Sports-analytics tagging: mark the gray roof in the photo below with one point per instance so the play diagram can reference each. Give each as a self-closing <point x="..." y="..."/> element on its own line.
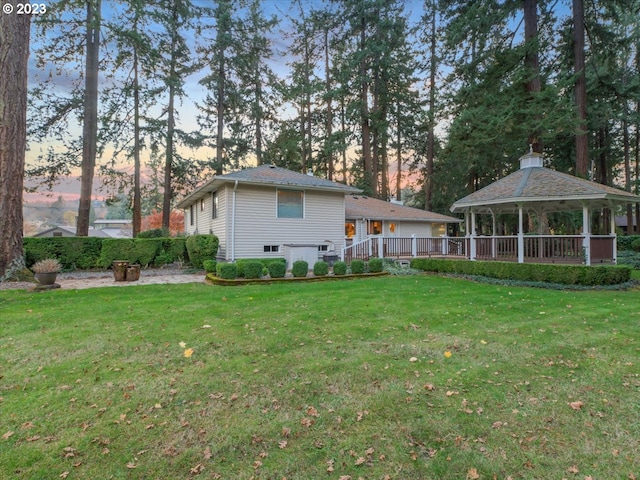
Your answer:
<point x="360" y="206"/>
<point x="267" y="175"/>
<point x="542" y="188"/>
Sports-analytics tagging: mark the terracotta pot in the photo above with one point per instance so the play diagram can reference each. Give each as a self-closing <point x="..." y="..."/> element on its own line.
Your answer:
<point x="120" y="270"/>
<point x="47" y="278"/>
<point x="133" y="273"/>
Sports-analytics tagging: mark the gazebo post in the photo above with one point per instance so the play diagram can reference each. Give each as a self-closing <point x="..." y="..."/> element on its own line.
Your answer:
<point x="613" y="234"/>
<point x="586" y="234"/>
<point x="472" y="248"/>
<point x="493" y="235"/>
<point x="520" y="234"/>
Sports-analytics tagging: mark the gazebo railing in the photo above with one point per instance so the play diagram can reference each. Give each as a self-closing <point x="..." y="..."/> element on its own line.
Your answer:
<point x="537" y="248"/>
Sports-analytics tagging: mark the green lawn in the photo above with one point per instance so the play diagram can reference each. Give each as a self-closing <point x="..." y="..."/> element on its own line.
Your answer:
<point x="418" y="377"/>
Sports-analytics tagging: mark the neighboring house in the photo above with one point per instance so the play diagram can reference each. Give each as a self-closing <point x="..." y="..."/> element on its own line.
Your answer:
<point x="101" y="229"/>
<point x="266" y="210"/>
<point x="366" y="216"/>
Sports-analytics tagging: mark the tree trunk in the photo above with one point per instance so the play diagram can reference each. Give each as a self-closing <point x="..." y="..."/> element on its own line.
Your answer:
<point x="90" y="121"/>
<point x="368" y="185"/>
<point x="399" y="154"/>
<point x="14" y="54"/>
<point x="137" y="200"/>
<point x="329" y="127"/>
<point x="171" y="125"/>
<point x="532" y="62"/>
<point x="582" y="153"/>
<point x="220" y="114"/>
<point x="431" y="139"/>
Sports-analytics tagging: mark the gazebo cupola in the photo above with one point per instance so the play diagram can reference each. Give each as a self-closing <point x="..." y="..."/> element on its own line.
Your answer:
<point x="539" y="190"/>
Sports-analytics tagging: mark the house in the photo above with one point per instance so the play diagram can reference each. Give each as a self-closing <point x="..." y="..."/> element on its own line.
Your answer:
<point x="268" y="211"/>
<point x="366" y="216"/>
<point x="101" y="229"/>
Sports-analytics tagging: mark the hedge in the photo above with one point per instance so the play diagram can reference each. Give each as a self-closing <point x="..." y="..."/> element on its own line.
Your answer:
<point x="357" y="266"/>
<point x="549" y="273"/>
<point x="201" y="248"/>
<point x="375" y="265"/>
<point x="340" y="268"/>
<point x="228" y="271"/>
<point x="73" y="252"/>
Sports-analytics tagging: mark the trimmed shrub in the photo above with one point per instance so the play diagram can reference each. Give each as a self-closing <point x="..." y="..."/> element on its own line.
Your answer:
<point x="117" y="249"/>
<point x="320" y="268"/>
<point x="73" y="252"/>
<point x="228" y="271"/>
<point x="624" y="242"/>
<point x="300" y="268"/>
<point x="375" y="265"/>
<point x="154" y="233"/>
<point x="201" y="248"/>
<point x="635" y="245"/>
<point x="277" y="269"/>
<point x="340" y="268"/>
<point x="253" y="269"/>
<point x="210" y="266"/>
<point x="534" y="272"/>
<point x="265" y="262"/>
<point x="357" y="266"/>
<point x="147" y="249"/>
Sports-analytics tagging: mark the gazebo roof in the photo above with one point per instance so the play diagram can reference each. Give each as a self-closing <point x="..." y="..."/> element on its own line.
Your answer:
<point x="540" y="188"/>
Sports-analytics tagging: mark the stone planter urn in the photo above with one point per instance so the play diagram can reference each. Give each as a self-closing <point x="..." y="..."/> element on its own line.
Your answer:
<point x="46" y="278"/>
<point x="120" y="270"/>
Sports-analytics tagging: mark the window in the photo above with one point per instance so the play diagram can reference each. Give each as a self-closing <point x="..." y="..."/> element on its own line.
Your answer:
<point x="323" y="248"/>
<point x="375" y="227"/>
<point x="214" y="205"/>
<point x="191" y="216"/>
<point x="271" y="248"/>
<point x="350" y="229"/>
<point x="202" y="204"/>
<point x="290" y="204"/>
<point x="57" y="234"/>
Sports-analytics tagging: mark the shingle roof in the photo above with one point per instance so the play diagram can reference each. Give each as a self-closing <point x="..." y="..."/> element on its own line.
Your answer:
<point x="358" y="206"/>
<point x="268" y="175"/>
<point x="557" y="191"/>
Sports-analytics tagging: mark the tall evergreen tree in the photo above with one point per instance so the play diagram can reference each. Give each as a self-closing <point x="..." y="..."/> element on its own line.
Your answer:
<point x="14" y="54"/>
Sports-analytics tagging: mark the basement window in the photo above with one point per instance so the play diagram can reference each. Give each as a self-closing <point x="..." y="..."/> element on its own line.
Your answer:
<point x="271" y="248"/>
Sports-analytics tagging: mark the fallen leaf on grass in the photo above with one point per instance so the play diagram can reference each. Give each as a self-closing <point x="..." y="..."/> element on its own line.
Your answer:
<point x="7" y="435"/>
<point x="188" y="352"/>
<point x="473" y="474"/>
<point x="573" y="469"/>
<point x="311" y="411"/>
<point x="576" y="405"/>
<point x="207" y="454"/>
<point x="131" y="465"/>
<point x="282" y="444"/>
<point x="64" y="474"/>
<point x="360" y="461"/>
<point x="197" y="470"/>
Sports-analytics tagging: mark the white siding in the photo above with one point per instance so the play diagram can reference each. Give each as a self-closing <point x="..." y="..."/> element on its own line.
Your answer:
<point x="257" y="225"/>
<point x="204" y="223"/>
<point x="406" y="229"/>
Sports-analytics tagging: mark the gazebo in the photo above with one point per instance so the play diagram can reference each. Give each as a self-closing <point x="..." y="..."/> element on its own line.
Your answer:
<point x="539" y="190"/>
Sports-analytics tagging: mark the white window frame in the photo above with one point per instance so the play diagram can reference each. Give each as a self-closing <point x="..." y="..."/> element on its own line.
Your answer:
<point x="302" y="195"/>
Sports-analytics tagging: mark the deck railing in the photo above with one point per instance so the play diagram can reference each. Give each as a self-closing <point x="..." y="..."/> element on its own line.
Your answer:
<point x="536" y="248"/>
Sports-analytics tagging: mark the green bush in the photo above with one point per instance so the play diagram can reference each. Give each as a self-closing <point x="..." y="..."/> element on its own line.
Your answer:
<point x="339" y="268"/>
<point x="73" y="252"/>
<point x="300" y="268"/>
<point x="147" y="249"/>
<point x="201" y="248"/>
<point x="635" y="245"/>
<point x="357" y="266"/>
<point x="210" y="266"/>
<point x="117" y="249"/>
<point x="228" y="271"/>
<point x="277" y="269"/>
<point x="253" y="269"/>
<point x="624" y="241"/>
<point x="154" y="233"/>
<point x="630" y="258"/>
<point x="320" y="268"/>
<point x="375" y="265"/>
<point x="529" y="272"/>
<point x="241" y="262"/>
